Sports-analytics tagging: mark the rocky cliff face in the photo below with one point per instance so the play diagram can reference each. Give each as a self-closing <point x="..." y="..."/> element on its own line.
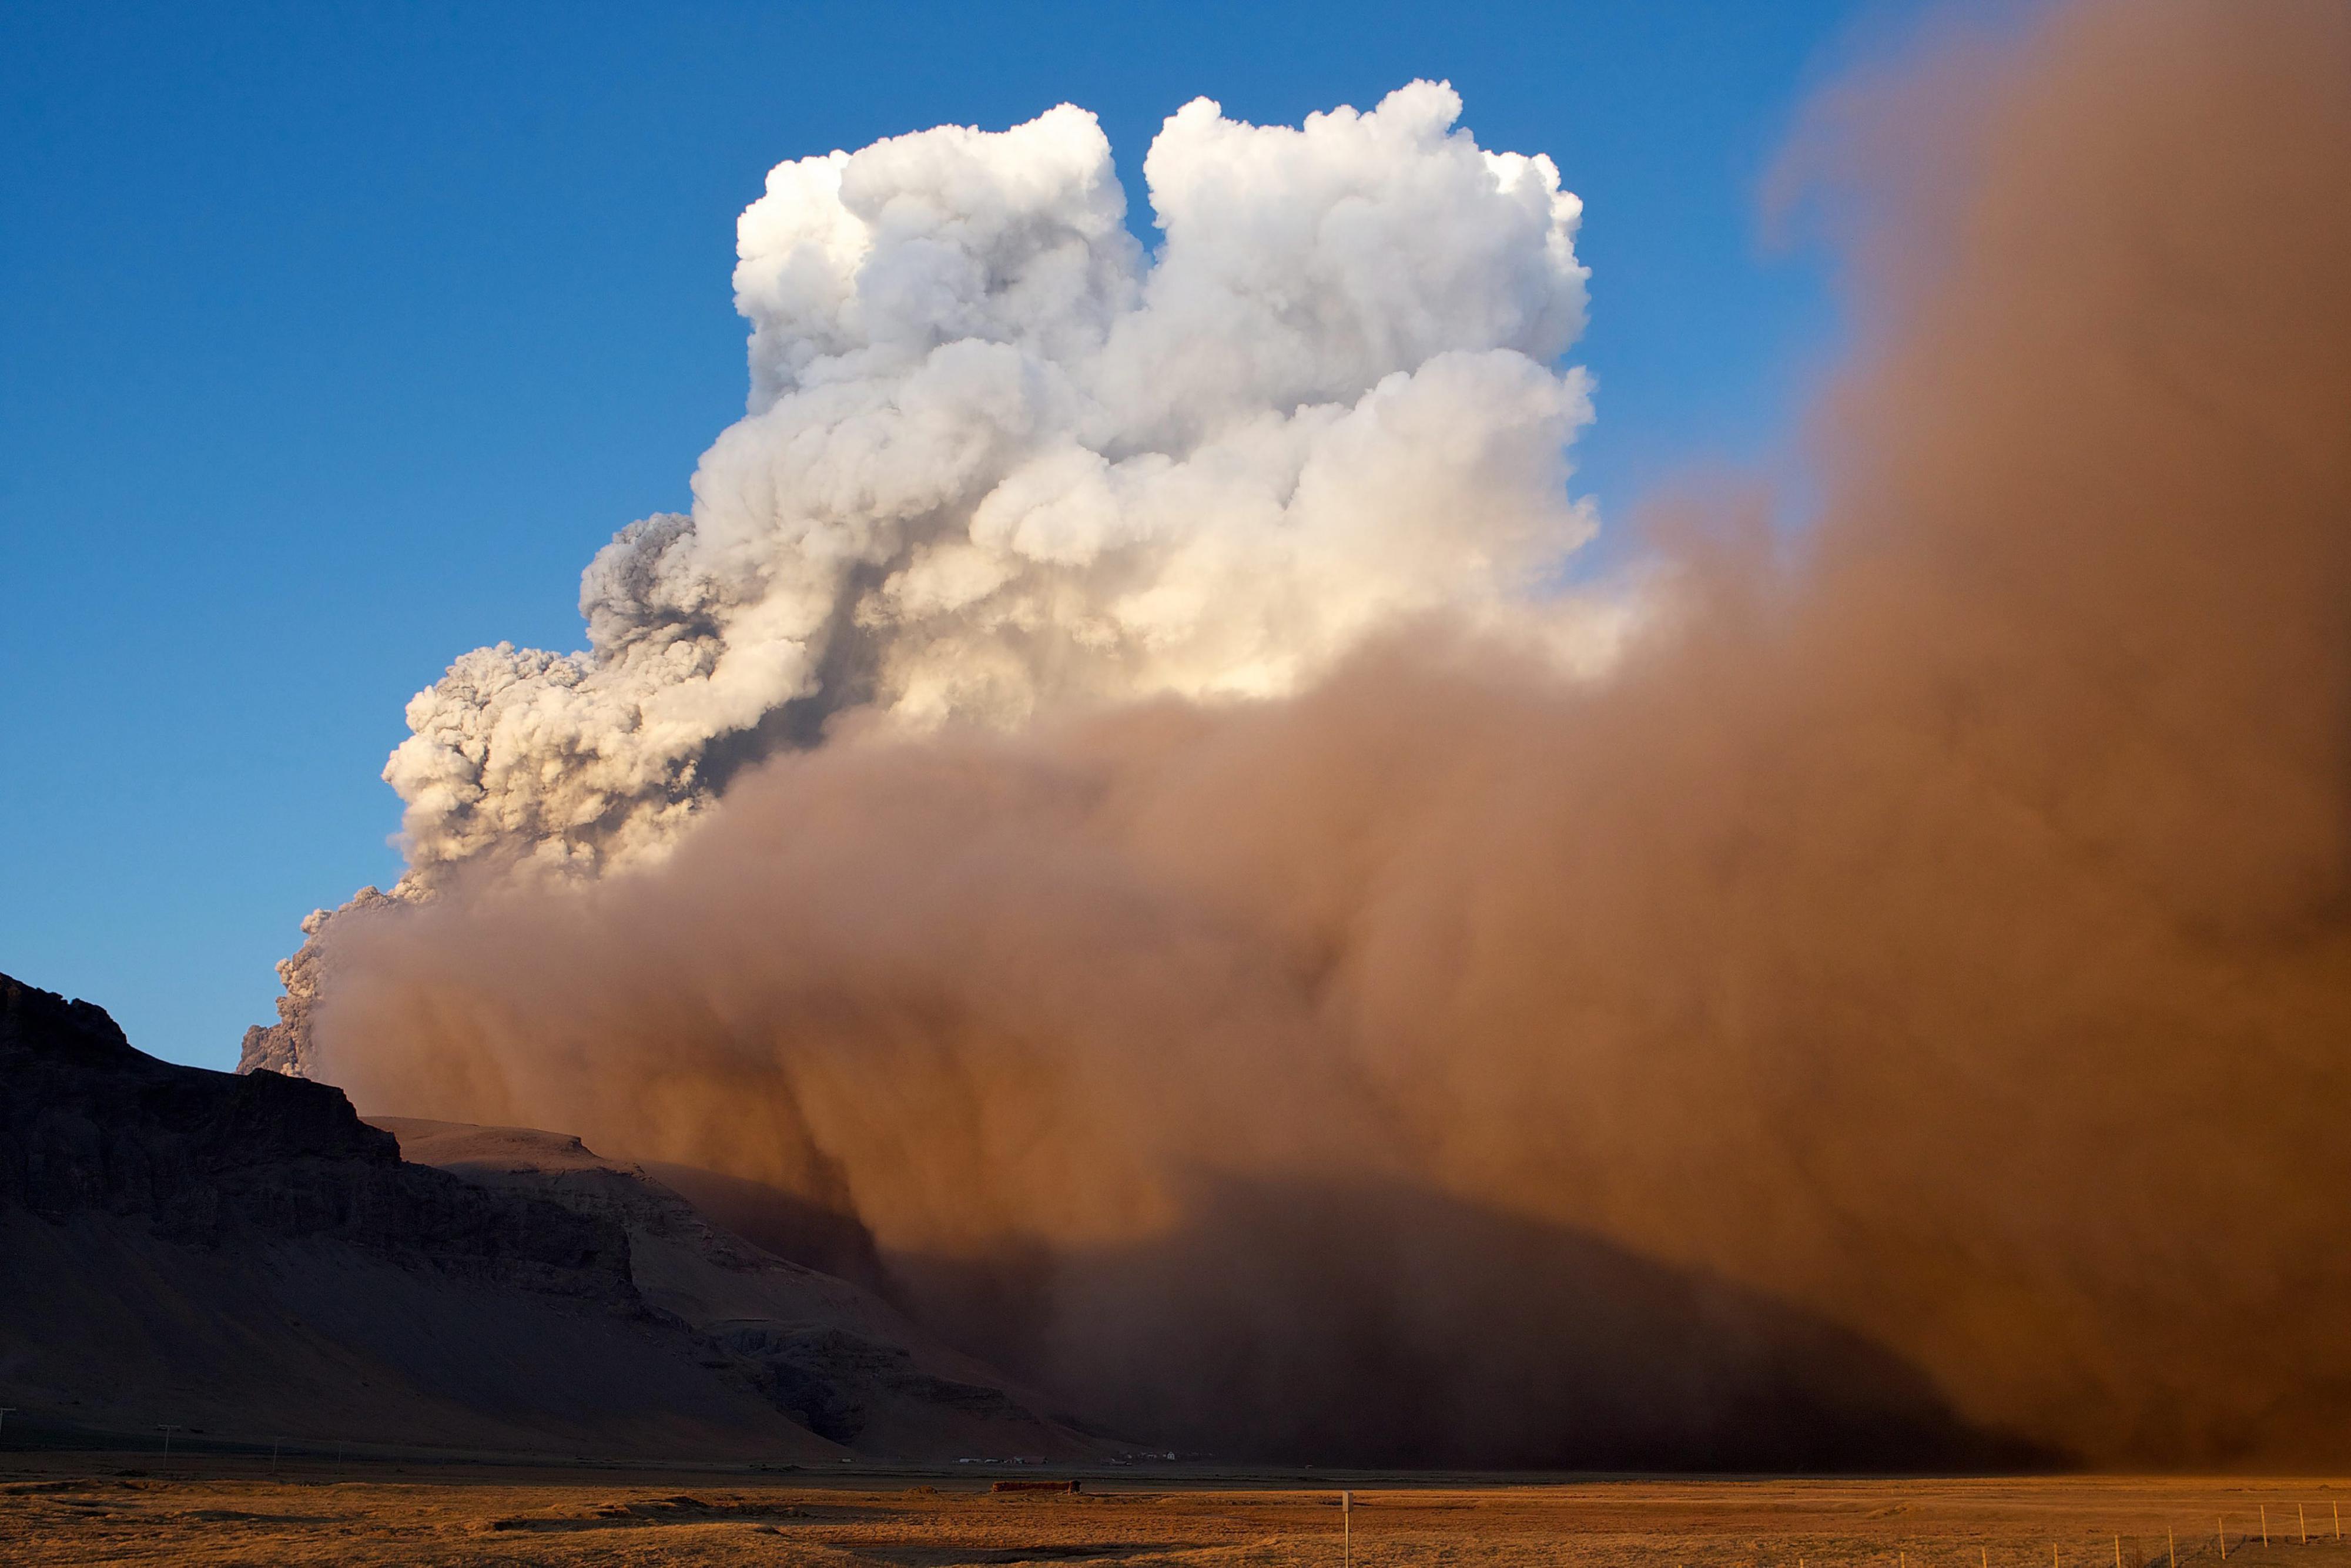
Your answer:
<point x="842" y="1360"/>
<point x="214" y="1159"/>
<point x="241" y="1254"/>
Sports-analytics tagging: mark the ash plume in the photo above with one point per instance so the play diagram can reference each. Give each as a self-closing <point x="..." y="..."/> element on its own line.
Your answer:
<point x="1893" y="1012"/>
<point x="996" y="458"/>
<point x="997" y="461"/>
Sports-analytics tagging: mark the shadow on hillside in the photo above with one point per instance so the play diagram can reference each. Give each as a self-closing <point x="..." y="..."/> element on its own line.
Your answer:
<point x="1373" y="1326"/>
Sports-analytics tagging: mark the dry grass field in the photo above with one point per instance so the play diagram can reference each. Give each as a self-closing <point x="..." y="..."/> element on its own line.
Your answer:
<point x="83" y="1509"/>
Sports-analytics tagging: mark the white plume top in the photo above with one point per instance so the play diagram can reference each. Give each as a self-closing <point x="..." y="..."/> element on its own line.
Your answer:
<point x="995" y="458"/>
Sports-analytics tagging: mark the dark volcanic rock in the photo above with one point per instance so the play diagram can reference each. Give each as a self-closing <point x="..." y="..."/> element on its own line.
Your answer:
<point x="242" y="1254"/>
<point x="88" y="1123"/>
<point x="837" y="1358"/>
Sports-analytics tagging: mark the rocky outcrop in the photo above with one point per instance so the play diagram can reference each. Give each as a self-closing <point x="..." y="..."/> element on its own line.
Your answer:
<point x="243" y="1254"/>
<point x="217" y="1160"/>
<point x="836" y="1357"/>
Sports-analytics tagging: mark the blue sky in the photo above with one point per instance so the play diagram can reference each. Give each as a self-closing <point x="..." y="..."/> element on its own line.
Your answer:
<point x="334" y="339"/>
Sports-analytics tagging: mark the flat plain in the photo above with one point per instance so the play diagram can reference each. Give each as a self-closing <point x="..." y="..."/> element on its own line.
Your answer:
<point x="58" y="1508"/>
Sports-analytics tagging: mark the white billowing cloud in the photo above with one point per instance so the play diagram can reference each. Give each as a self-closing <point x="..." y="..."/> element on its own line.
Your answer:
<point x="995" y="458"/>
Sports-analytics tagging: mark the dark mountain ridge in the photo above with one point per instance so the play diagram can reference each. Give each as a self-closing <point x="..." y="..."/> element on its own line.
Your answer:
<point x="90" y="1125"/>
<point x="244" y="1255"/>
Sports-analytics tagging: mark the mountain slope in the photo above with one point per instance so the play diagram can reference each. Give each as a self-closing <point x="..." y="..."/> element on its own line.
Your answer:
<point x="245" y="1256"/>
<point x="850" y="1364"/>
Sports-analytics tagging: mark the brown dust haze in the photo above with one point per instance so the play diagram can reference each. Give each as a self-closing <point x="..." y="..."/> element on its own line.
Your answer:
<point x="1900" y="1014"/>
